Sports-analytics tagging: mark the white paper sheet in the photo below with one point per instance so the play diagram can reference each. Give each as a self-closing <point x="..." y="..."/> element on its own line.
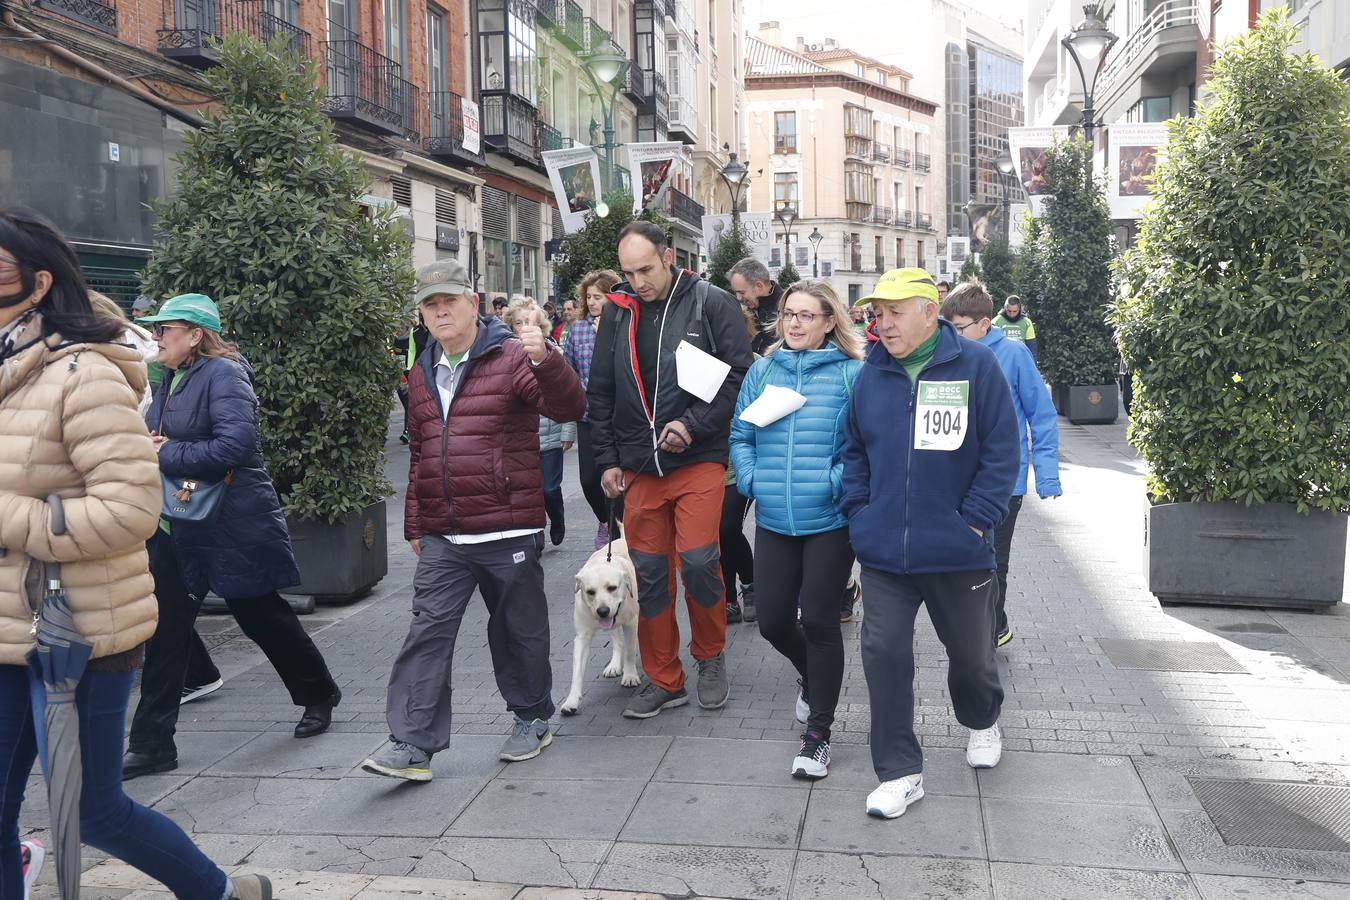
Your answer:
<point x="773" y="404"/>
<point x="699" y="373"/>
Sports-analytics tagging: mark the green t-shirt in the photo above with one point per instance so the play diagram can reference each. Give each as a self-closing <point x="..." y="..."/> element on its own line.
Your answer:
<point x="1020" y="330"/>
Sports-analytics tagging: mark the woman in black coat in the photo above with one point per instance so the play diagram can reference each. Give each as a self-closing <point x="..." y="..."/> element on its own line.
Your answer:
<point x="204" y="420"/>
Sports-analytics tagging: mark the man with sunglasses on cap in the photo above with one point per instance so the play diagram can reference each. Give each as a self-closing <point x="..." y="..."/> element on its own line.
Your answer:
<point x="930" y="460"/>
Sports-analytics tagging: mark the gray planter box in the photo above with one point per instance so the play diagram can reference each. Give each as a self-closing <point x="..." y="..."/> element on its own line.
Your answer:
<point x="1226" y="554"/>
<point x="343" y="561"/>
<point x="1095" y="404"/>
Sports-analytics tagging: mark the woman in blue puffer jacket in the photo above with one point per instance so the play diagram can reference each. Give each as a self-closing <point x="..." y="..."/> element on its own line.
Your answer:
<point x="791" y="469"/>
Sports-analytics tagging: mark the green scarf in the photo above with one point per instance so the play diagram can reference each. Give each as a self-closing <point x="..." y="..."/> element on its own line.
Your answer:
<point x="915" y="362"/>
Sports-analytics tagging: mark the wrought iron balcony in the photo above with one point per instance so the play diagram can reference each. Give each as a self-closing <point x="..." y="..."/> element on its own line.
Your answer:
<point x="568" y="22"/>
<point x="593" y="37"/>
<point x="904" y="218"/>
<point x="445" y="128"/>
<point x="635" y="84"/>
<point x="508" y="123"/>
<point x="368" y="88"/>
<point x="684" y="208"/>
<point x="881" y="153"/>
<point x="192" y="28"/>
<point x="903" y="157"/>
<point x="551" y="138"/>
<point x="100" y="14"/>
<point x="657" y="101"/>
<point x="881" y="215"/>
<point x="924" y="221"/>
<point x="858" y="211"/>
<point x="668" y="7"/>
<point x="546" y="12"/>
<point x="923" y="162"/>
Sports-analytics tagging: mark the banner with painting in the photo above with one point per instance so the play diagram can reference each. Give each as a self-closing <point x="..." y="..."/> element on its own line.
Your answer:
<point x="1132" y="155"/>
<point x="758" y="228"/>
<point x="575" y="176"/>
<point x="1028" y="147"/>
<point x="651" y="166"/>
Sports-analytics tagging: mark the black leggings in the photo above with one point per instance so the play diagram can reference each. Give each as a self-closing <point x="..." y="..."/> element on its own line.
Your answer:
<point x="590" y="478"/>
<point x="737" y="560"/>
<point x="807" y="573"/>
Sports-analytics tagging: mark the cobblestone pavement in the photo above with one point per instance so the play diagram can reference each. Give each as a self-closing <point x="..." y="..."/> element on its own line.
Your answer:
<point x="1094" y="797"/>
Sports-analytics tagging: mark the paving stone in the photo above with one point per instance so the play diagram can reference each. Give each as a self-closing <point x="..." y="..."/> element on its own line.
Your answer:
<point x="355" y="854"/>
<point x="945" y="772"/>
<point x="935" y="826"/>
<point x="235" y="805"/>
<point x="1046" y="832"/>
<point x="716" y="761"/>
<point x="386" y="807"/>
<point x="402" y="888"/>
<point x="717" y="815"/>
<point x="1203" y="851"/>
<point x="599" y="758"/>
<point x="698" y="871"/>
<point x="281" y="755"/>
<point x="1078" y="779"/>
<point x="468" y="756"/>
<point x="1018" y="881"/>
<point x="845" y="876"/>
<point x="1229" y="887"/>
<point x="535" y="861"/>
<point x="581" y="810"/>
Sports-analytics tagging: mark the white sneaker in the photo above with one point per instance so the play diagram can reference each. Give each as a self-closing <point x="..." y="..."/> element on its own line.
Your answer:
<point x="892" y="798"/>
<point x="198" y="692"/>
<point x="985" y="747"/>
<point x="803" y="711"/>
<point x="31" y="853"/>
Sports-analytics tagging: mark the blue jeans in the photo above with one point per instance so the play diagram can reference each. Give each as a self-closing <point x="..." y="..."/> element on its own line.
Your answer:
<point x="109" y="819"/>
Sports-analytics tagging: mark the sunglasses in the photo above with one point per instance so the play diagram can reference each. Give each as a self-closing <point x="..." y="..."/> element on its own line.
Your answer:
<point x="160" y="328"/>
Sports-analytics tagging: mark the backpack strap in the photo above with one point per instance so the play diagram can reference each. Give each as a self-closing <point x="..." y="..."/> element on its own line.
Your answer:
<point x="700" y="299"/>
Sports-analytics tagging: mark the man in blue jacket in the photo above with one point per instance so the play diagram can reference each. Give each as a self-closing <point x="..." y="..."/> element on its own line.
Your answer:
<point x="970" y="309"/>
<point x="930" y="460"/>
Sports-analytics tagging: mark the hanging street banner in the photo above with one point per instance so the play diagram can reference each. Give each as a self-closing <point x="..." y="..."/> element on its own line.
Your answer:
<point x="1028" y="147"/>
<point x="651" y="166"/>
<point x="1132" y="154"/>
<point x="958" y="248"/>
<point x="944" y="270"/>
<point x="1017" y="214"/>
<point x="758" y="228"/>
<point x="575" y="176"/>
<point x="473" y="133"/>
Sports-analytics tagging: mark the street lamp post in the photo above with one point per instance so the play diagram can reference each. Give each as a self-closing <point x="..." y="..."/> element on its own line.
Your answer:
<point x="1004" y="164"/>
<point x="603" y="69"/>
<point x="786" y="216"/>
<point x="1088" y="45"/>
<point x="815" y="237"/>
<point x="733" y="176"/>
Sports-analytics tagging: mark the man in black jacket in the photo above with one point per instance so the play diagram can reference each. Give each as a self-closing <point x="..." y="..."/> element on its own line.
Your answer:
<point x="753" y="285"/>
<point x="665" y="450"/>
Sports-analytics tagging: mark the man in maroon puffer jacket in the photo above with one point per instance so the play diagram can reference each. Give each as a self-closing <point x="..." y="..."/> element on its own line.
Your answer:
<point x="475" y="516"/>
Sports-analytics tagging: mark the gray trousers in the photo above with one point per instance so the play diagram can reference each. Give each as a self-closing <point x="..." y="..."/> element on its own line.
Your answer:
<point x="511" y="579"/>
<point x="961" y="607"/>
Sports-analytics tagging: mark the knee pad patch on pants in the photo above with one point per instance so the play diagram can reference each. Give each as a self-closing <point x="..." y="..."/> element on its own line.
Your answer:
<point x="653" y="574"/>
<point x="701" y="570"/>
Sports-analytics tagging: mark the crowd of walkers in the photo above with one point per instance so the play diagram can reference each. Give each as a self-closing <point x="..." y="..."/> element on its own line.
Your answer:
<point x="895" y="435"/>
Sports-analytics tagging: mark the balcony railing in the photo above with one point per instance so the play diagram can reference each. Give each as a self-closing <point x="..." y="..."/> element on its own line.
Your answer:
<point x="635" y="84"/>
<point x="551" y="138"/>
<point x="1167" y="14"/>
<point x="784" y="144"/>
<point x="684" y="208"/>
<point x="881" y="153"/>
<point x="368" y="87"/>
<point x="570" y="23"/>
<point x="923" y="162"/>
<point x="924" y="221"/>
<point x="858" y="211"/>
<point x="508" y="124"/>
<point x="445" y="127"/>
<point x="668" y="7"/>
<point x="903" y="157"/>
<point x="881" y="215"/>
<point x="593" y="37"/>
<point x="904" y="218"/>
<point x="191" y="28"/>
<point x="658" y="99"/>
<point x="101" y="14"/>
<point x="547" y="12"/>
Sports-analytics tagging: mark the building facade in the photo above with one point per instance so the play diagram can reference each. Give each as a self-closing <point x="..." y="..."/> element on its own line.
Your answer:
<point x="449" y="103"/>
<point x="841" y="139"/>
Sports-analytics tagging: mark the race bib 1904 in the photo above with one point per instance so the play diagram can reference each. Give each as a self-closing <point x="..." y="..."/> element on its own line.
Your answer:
<point x="943" y="415"/>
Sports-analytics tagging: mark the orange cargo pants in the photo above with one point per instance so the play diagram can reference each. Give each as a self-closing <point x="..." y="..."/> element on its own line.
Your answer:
<point x="672" y="521"/>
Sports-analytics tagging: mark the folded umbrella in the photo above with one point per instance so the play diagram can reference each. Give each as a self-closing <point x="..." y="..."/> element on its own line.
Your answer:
<point x="60" y="658"/>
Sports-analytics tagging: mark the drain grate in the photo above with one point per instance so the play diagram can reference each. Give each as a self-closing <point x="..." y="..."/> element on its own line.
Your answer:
<point x="1285" y="814"/>
<point x="1169" y="656"/>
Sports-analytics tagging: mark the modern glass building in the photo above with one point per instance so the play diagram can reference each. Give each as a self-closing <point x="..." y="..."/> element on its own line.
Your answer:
<point x="985" y="97"/>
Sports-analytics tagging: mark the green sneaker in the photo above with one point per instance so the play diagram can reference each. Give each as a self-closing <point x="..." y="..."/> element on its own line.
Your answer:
<point x="400" y="760"/>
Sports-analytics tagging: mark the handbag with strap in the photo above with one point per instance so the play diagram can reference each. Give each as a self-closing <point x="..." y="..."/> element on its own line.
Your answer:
<point x="196" y="500"/>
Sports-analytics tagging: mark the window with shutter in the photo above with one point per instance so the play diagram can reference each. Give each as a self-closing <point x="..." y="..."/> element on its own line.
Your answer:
<point x="527" y="222"/>
<point x="446" y="213"/>
<point x="496" y="224"/>
<point x="402" y="189"/>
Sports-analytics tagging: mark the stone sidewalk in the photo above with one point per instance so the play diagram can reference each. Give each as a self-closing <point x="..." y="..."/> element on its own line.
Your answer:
<point x="1099" y="792"/>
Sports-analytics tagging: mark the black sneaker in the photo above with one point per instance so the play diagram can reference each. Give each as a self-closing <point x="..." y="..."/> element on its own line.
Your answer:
<point x="733" y="613"/>
<point x="813" y="757"/>
<point x="748" y="602"/>
<point x="852" y="594"/>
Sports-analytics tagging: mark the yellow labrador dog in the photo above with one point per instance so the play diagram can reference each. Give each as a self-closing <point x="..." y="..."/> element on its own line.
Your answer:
<point x="606" y="600"/>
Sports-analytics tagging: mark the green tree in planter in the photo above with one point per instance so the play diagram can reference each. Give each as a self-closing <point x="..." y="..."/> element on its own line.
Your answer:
<point x="266" y="219"/>
<point x="997" y="262"/>
<point x="731" y="249"/>
<point x="596" y="246"/>
<point x="969" y="269"/>
<point x="1232" y="311"/>
<point x="787" y="276"/>
<point x="1072" y="271"/>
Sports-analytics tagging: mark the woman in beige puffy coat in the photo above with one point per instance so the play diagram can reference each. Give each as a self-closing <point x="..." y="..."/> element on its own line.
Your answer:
<point x="69" y="425"/>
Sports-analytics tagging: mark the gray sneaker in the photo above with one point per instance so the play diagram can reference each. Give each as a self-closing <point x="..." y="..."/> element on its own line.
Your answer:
<point x="400" y="760"/>
<point x="713" y="688"/>
<point x="651" y="699"/>
<point x="749" y="612"/>
<point x="526" y="740"/>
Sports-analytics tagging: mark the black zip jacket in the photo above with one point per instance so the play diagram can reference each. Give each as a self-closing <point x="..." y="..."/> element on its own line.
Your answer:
<point x="624" y="426"/>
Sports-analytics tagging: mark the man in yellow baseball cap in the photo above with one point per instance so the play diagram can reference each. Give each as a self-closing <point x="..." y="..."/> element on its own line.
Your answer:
<point x="930" y="461"/>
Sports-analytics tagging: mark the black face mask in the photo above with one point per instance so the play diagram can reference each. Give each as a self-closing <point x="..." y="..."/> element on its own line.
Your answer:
<point x="27" y="282"/>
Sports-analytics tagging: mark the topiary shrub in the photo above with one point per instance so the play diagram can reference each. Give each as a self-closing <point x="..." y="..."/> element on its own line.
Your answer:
<point x="731" y="249"/>
<point x="997" y="261"/>
<point x="596" y="246"/>
<point x="266" y="219"/>
<point x="787" y="276"/>
<point x="1232" y="310"/>
<point x="1072" y="273"/>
